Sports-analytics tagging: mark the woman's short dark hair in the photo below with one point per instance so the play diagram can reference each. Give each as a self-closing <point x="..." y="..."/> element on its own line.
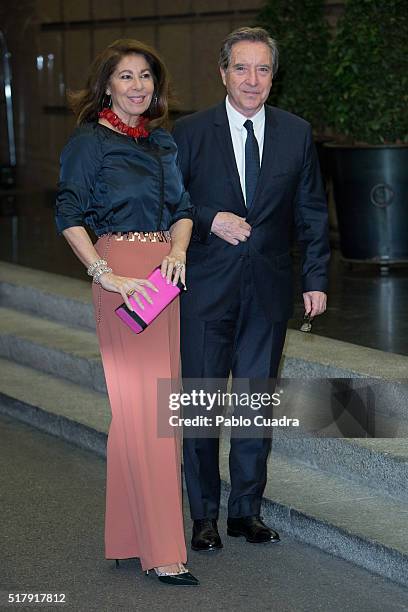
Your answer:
<point x="88" y="102"/>
<point x="251" y="35"/>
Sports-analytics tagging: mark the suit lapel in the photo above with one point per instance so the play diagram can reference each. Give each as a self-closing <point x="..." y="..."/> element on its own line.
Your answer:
<point x="223" y="134"/>
<point x="269" y="153"/>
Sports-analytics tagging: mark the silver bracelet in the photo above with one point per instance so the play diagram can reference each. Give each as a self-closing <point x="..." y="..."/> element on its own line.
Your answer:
<point x="99" y="273"/>
<point x="96" y="264"/>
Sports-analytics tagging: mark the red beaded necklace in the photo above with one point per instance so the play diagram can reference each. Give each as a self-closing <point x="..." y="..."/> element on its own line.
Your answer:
<point x="135" y="132"/>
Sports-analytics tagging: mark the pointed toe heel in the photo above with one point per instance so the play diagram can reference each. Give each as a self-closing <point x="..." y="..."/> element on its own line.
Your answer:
<point x="184" y="579"/>
<point x="181" y="579"/>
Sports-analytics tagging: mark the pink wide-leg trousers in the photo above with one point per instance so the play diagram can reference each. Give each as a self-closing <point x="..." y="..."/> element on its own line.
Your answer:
<point x="143" y="496"/>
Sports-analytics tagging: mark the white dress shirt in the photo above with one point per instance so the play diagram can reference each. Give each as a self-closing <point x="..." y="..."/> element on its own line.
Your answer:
<point x="239" y="135"/>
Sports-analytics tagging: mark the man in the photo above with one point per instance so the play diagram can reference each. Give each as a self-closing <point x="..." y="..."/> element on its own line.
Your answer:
<point x="253" y="177"/>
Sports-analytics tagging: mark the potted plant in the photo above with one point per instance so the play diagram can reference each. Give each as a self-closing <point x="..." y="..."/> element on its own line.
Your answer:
<point x="303" y="36"/>
<point x="366" y="107"/>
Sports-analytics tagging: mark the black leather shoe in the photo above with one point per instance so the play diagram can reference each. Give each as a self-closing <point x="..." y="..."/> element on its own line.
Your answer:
<point x="252" y="528"/>
<point x="205" y="535"/>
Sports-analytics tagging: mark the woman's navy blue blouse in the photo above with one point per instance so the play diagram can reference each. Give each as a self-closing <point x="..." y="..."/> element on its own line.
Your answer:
<point x="113" y="183"/>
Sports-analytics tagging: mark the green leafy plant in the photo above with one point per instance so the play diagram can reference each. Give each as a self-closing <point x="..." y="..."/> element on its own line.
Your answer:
<point x="367" y="73"/>
<point x="302" y="35"/>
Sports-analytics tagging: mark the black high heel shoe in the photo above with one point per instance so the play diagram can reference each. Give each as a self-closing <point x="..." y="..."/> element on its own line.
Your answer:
<point x="182" y="579"/>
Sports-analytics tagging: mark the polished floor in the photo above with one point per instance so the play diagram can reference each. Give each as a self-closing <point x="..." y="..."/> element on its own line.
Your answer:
<point x="364" y="307"/>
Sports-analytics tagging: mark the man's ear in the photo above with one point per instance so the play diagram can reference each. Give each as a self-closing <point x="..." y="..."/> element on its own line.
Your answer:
<point x="222" y="72"/>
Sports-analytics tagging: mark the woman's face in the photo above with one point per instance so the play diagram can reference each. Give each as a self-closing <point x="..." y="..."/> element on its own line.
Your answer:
<point x="131" y="87"/>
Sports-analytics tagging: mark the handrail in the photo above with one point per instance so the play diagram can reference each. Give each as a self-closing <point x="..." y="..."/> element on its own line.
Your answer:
<point x="7" y="84"/>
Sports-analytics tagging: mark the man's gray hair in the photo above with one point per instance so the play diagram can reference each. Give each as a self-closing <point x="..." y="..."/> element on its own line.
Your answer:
<point x="251" y="35"/>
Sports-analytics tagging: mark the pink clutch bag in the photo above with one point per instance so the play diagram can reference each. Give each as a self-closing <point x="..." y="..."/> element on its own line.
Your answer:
<point x="141" y="318"/>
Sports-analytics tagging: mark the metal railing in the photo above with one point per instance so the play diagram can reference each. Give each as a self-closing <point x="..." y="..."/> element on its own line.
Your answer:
<point x="8" y="96"/>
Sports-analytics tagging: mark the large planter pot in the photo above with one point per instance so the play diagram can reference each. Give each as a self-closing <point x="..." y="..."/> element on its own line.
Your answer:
<point x="323" y="156"/>
<point x="370" y="187"/>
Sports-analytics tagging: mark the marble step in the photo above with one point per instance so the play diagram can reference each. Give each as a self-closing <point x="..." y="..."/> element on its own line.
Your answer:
<point x="67" y="410"/>
<point x="50" y="296"/>
<point x="73" y="354"/>
<point x="55" y="348"/>
<point x="381" y="463"/>
<point x="68" y="301"/>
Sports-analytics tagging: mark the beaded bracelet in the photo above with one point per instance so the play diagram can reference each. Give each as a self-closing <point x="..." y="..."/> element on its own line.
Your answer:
<point x="99" y="273"/>
<point x="96" y="264"/>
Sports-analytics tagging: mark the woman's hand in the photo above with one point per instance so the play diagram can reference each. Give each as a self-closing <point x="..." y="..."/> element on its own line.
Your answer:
<point x="174" y="265"/>
<point x="126" y="287"/>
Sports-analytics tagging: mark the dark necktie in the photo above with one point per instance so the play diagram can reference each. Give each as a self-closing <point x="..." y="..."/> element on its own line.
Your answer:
<point x="252" y="164"/>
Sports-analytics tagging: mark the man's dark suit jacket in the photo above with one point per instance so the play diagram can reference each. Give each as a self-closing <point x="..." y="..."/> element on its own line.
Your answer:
<point x="289" y="199"/>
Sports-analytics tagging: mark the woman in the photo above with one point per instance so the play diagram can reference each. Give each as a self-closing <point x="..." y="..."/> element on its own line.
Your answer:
<point x="119" y="177"/>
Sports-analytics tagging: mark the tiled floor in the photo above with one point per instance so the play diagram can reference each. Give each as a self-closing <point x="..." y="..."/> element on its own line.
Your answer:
<point x="364" y="307"/>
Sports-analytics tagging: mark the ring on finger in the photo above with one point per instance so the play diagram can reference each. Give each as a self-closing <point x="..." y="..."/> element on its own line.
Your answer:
<point x="179" y="265"/>
<point x="130" y="292"/>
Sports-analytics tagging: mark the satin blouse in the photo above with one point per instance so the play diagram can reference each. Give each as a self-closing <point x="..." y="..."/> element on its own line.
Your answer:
<point x="113" y="183"/>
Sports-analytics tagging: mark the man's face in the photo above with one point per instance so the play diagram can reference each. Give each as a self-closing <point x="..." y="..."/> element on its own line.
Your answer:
<point x="248" y="78"/>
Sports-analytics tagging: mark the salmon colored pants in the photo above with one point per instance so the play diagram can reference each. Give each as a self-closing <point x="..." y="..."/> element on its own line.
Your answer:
<point x="144" y="513"/>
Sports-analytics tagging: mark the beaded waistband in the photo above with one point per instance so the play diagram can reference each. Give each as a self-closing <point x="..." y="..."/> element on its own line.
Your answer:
<point x="159" y="236"/>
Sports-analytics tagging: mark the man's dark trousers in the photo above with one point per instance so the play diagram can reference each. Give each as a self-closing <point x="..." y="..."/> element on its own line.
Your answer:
<point x="244" y="342"/>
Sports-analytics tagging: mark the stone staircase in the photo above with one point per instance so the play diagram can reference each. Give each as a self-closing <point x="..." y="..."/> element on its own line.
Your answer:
<point x="346" y="496"/>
